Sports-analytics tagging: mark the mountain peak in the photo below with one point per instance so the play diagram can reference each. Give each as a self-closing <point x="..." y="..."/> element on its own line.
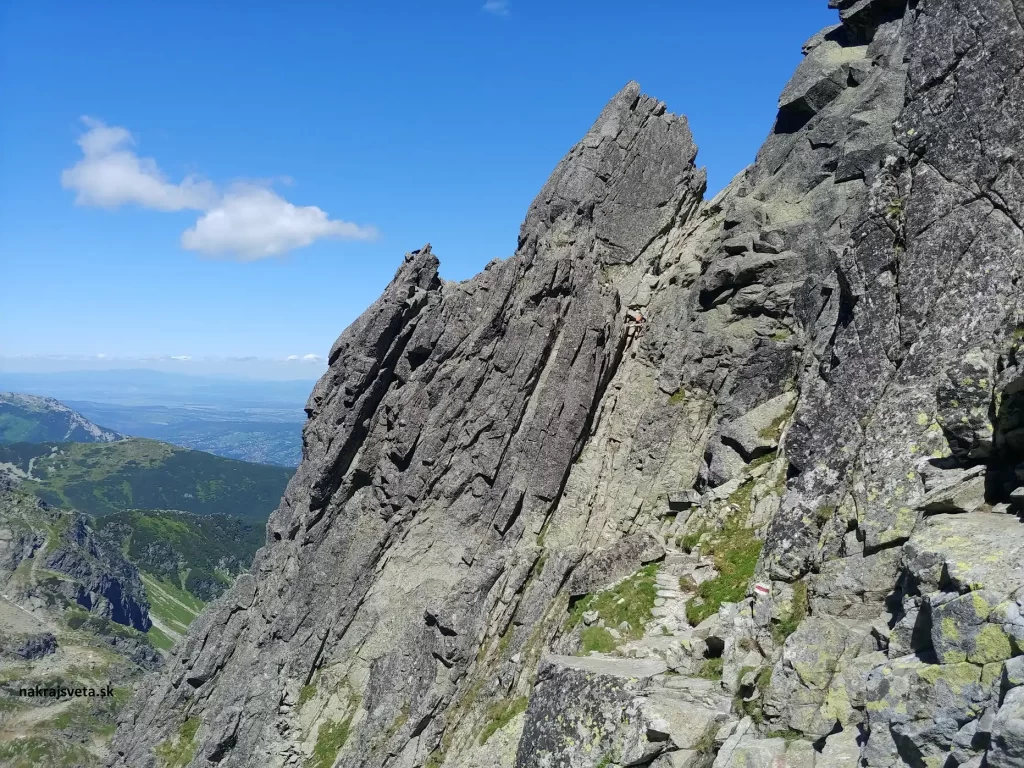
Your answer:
<point x="34" y="419"/>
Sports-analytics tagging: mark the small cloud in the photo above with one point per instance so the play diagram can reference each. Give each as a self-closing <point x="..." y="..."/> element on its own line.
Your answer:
<point x="102" y="356"/>
<point x="312" y="358"/>
<point x="181" y="357"/>
<point x="110" y="174"/>
<point x="291" y="358"/>
<point x="255" y="223"/>
<point x="250" y="221"/>
<point x="497" y="7"/>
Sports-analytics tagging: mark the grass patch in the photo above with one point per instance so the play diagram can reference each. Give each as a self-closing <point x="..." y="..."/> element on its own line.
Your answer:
<point x="705" y="745"/>
<point x="597" y="639"/>
<point x="630" y="602"/>
<point x="679" y="396"/>
<point x="774" y="430"/>
<point x="36" y="751"/>
<point x="330" y="738"/>
<point x="787" y="625"/>
<point x="172" y="605"/>
<point x="308" y="691"/>
<point x="788" y="734"/>
<point x="742" y="495"/>
<point x="159" y="639"/>
<point x="501" y="714"/>
<point x="711" y="669"/>
<point x="754" y="709"/>
<point x="178" y="753"/>
<point x="766" y="458"/>
<point x="735" y="550"/>
<point x="689" y="541"/>
<point x="824" y="513"/>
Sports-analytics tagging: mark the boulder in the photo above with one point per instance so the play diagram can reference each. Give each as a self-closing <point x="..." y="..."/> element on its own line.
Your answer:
<point x="603" y="567"/>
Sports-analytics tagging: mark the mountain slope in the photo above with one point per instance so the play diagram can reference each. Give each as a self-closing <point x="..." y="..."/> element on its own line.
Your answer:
<point x="106" y="478"/>
<point x="75" y="613"/>
<point x="682" y="482"/>
<point x="201" y="555"/>
<point x="31" y="419"/>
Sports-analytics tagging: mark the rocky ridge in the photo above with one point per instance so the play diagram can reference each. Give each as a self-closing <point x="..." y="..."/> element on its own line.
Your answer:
<point x="682" y="482"/>
<point x="34" y="419"/>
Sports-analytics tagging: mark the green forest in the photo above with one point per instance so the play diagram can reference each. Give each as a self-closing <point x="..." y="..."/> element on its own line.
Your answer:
<point x="105" y="478"/>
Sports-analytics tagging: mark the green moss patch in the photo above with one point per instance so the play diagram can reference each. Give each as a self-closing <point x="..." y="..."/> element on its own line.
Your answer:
<point x="774" y="430"/>
<point x="753" y="708"/>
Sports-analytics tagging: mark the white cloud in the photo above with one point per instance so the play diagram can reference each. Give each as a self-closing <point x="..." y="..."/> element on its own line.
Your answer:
<point x="255" y="222"/>
<point x="291" y="358"/>
<point x="497" y="7"/>
<point x="250" y="221"/>
<point x="181" y="357"/>
<point x="312" y="358"/>
<point x="110" y="174"/>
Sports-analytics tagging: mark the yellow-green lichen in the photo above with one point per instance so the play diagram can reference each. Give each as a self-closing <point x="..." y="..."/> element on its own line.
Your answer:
<point x="991" y="644"/>
<point x="956" y="677"/>
<point x="991" y="672"/>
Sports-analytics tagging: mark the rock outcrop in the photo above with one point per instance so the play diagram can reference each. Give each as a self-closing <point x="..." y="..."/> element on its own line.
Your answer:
<point x="51" y="559"/>
<point x="681" y="482"/>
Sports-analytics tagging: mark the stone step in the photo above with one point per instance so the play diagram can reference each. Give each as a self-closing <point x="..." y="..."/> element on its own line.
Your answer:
<point x="611" y="665"/>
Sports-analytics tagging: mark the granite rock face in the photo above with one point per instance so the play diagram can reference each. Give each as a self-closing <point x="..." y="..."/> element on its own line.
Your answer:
<point x="803" y="396"/>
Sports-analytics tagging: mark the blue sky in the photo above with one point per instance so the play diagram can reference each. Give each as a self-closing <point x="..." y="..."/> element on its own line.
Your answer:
<point x="172" y="220"/>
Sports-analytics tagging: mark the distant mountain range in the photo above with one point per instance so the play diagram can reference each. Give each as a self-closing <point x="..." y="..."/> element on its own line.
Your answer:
<point x="250" y="420"/>
<point x="33" y="419"/>
<point x="145" y="387"/>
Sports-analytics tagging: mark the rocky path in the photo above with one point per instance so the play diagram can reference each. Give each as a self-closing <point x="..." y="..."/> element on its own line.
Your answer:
<point x="683" y="715"/>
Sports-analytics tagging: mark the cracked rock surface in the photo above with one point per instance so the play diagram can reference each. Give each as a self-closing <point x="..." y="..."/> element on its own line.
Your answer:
<point x="682" y="482"/>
